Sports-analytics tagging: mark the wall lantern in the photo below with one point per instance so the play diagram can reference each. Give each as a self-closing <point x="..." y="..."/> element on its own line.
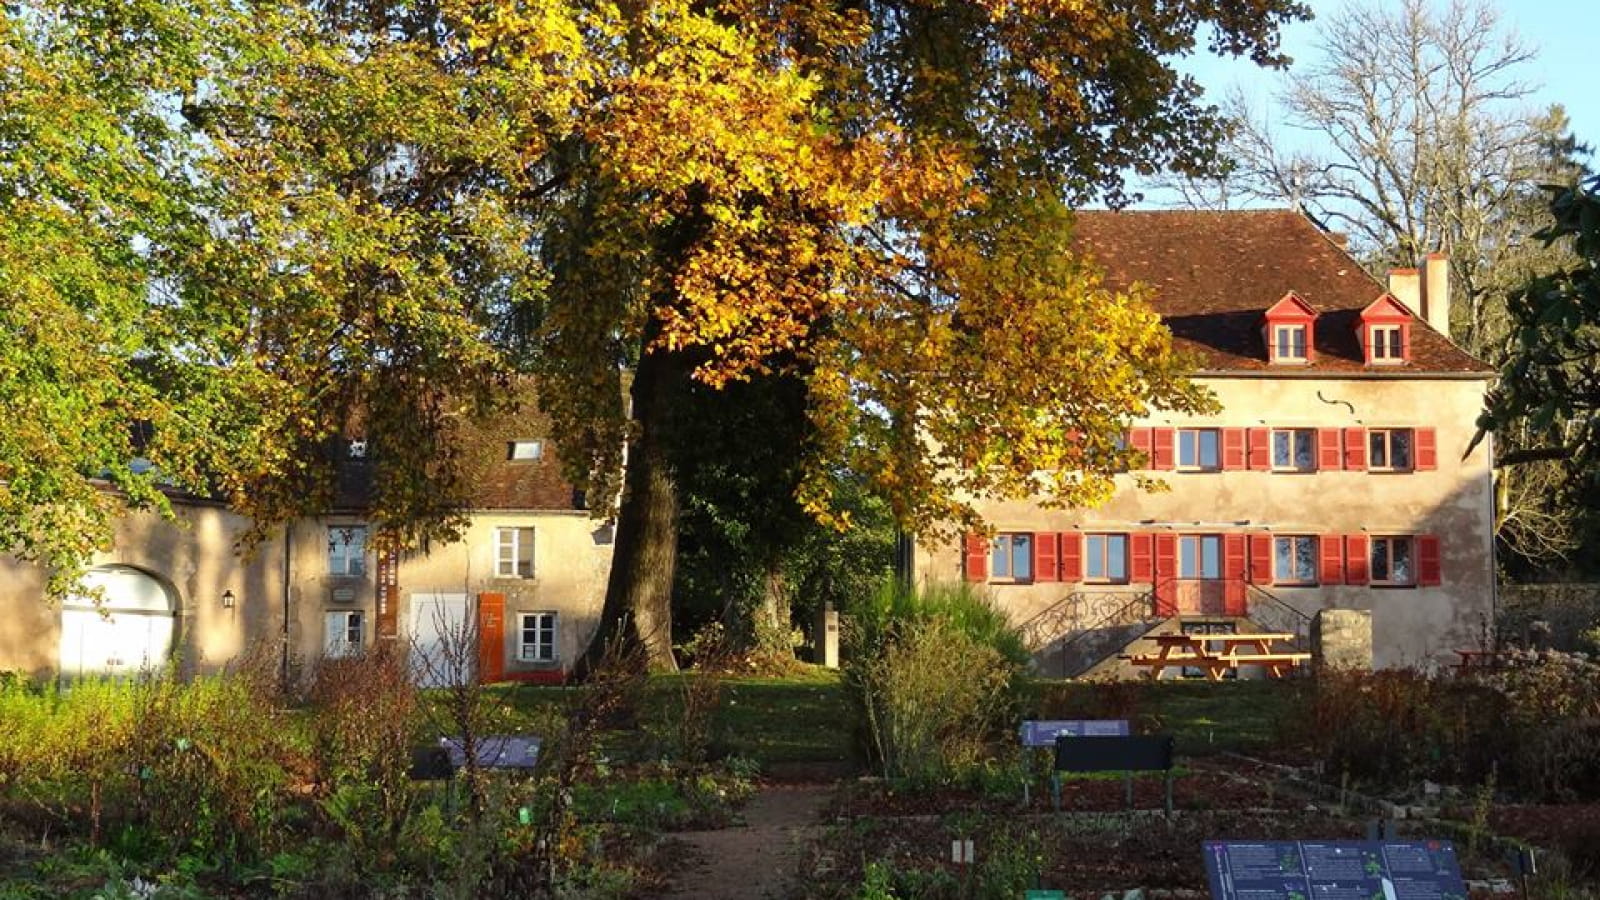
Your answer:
<point x="228" y="599"/>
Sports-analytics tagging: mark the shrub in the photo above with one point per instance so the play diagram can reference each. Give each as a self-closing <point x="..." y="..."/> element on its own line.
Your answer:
<point x="932" y="676"/>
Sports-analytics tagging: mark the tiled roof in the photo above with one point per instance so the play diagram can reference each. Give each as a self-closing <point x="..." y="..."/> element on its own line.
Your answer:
<point x="1213" y="275"/>
<point x="496" y="481"/>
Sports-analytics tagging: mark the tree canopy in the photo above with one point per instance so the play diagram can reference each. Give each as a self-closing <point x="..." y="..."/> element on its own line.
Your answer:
<point x="367" y="214"/>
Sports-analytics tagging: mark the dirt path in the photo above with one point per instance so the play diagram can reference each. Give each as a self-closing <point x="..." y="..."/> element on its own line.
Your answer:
<point x="757" y="859"/>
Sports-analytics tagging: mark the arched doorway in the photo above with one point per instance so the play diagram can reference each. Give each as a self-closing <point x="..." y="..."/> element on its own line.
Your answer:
<point x="130" y="632"/>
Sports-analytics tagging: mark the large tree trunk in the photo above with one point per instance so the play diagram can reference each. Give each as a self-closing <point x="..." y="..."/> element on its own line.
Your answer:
<point x="638" y="604"/>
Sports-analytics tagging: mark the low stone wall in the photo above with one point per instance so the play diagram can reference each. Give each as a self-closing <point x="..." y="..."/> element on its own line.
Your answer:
<point x="1342" y="639"/>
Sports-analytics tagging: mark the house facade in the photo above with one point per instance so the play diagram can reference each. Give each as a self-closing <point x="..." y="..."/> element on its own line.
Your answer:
<point x="527" y="577"/>
<point x="1337" y="474"/>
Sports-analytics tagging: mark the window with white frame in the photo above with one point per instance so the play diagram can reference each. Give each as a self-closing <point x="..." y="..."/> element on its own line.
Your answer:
<point x="344" y="632"/>
<point x="1291" y="343"/>
<point x="526" y="450"/>
<point x="1199" y="449"/>
<point x="1294" y="449"/>
<point x="1294" y="560"/>
<point x="1389" y="449"/>
<point x="1200" y="556"/>
<point x="1392" y="561"/>
<point x="1011" y="557"/>
<point x="1386" y="342"/>
<point x="1105" y="558"/>
<point x="536" y="637"/>
<point x="347" y="551"/>
<point x="513" y="552"/>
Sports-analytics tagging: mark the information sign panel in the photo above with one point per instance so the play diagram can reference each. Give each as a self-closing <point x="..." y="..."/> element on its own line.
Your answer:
<point x="1043" y="733"/>
<point x="1333" y="870"/>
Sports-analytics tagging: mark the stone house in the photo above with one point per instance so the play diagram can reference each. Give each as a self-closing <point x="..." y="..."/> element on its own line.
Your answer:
<point x="529" y="574"/>
<point x="1336" y="476"/>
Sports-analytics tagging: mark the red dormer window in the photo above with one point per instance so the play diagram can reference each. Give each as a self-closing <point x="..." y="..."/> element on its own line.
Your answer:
<point x="1290" y="331"/>
<point x="1386" y="332"/>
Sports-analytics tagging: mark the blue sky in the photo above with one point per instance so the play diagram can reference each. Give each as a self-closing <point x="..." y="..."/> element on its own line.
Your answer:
<point x="1565" y="35"/>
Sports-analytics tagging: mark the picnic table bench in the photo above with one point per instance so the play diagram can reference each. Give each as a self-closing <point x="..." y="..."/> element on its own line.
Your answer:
<point x="1219" y="654"/>
<point x="1478" y="660"/>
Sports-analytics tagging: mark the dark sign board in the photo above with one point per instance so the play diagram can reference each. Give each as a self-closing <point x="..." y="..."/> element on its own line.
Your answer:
<point x="1333" y="870"/>
<point x="1044" y="733"/>
<point x="1134" y="753"/>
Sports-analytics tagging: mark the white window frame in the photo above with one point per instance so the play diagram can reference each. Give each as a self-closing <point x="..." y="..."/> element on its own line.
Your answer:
<point x="1304" y="550"/>
<point x="1378" y="338"/>
<point x="531" y="623"/>
<point x="1104" y="550"/>
<point x="1193" y="547"/>
<point x="343" y="562"/>
<point x="508" y="553"/>
<point x="1283" y="343"/>
<point x="1197" y="437"/>
<point x="1013" y="547"/>
<point x="1389" y="542"/>
<point x="345" y="632"/>
<point x="1295" y="435"/>
<point x="1387" y="437"/>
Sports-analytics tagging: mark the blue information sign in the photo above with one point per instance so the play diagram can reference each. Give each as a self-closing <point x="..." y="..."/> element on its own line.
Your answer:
<point x="1044" y="733"/>
<point x="1333" y="870"/>
<point x="495" y="751"/>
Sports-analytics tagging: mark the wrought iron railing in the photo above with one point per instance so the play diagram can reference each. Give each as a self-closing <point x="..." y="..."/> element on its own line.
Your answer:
<point x="1275" y="614"/>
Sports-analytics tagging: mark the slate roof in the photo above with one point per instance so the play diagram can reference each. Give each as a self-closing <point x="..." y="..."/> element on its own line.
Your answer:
<point x="1213" y="275"/>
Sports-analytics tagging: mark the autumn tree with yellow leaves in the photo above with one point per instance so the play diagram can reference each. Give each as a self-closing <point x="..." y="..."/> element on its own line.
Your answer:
<point x="387" y="208"/>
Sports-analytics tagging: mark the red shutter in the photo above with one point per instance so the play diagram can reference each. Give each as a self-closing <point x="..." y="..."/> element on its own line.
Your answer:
<point x="1261" y="558"/>
<point x="1355" y="449"/>
<point x="1044" y="556"/>
<point x="1428" y="568"/>
<point x="1162" y="438"/>
<point x="1166" y="571"/>
<point x="977" y="557"/>
<point x="1139" y="439"/>
<point x="1365" y="332"/>
<point x="1233" y="570"/>
<point x="1427" y="449"/>
<point x="1329" y="547"/>
<point x="1233" y="448"/>
<point x="1356" y="568"/>
<point x="1071" y="556"/>
<point x="1261" y="448"/>
<point x="1329" y="458"/>
<point x="1141" y="570"/>
<point x="1311" y="342"/>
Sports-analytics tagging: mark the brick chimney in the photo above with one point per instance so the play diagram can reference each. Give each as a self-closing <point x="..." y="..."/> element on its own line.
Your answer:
<point x="1406" y="286"/>
<point x="1436" y="292"/>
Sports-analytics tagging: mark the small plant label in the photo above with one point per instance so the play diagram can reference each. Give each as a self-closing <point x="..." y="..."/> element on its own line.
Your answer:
<point x="961" y="852"/>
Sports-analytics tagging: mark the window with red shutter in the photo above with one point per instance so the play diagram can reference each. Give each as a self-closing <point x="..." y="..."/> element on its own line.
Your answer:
<point x="1261" y="558"/>
<point x="1260" y="449"/>
<point x="1071" y="556"/>
<point x="976" y="554"/>
<point x="1233" y="448"/>
<point x="1428" y="563"/>
<point x="1332" y="568"/>
<point x="1330" y="456"/>
<point x="1143" y="555"/>
<point x="1233" y="572"/>
<point x="1427" y="448"/>
<point x="1165" y="575"/>
<point x="1139" y="439"/>
<point x="1045" y="544"/>
<point x="1355" y="559"/>
<point x="1161" y="438"/>
<point x="1355" y="449"/>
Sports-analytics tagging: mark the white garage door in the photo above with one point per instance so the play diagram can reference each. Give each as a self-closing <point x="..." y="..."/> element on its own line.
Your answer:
<point x="442" y="652"/>
<point x="129" y="633"/>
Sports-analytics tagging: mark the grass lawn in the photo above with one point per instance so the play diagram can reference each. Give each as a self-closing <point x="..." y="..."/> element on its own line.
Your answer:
<point x="803" y="718"/>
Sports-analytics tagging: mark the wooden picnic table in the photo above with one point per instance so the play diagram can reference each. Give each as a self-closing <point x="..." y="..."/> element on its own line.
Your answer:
<point x="1477" y="660"/>
<point x="1219" y="654"/>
